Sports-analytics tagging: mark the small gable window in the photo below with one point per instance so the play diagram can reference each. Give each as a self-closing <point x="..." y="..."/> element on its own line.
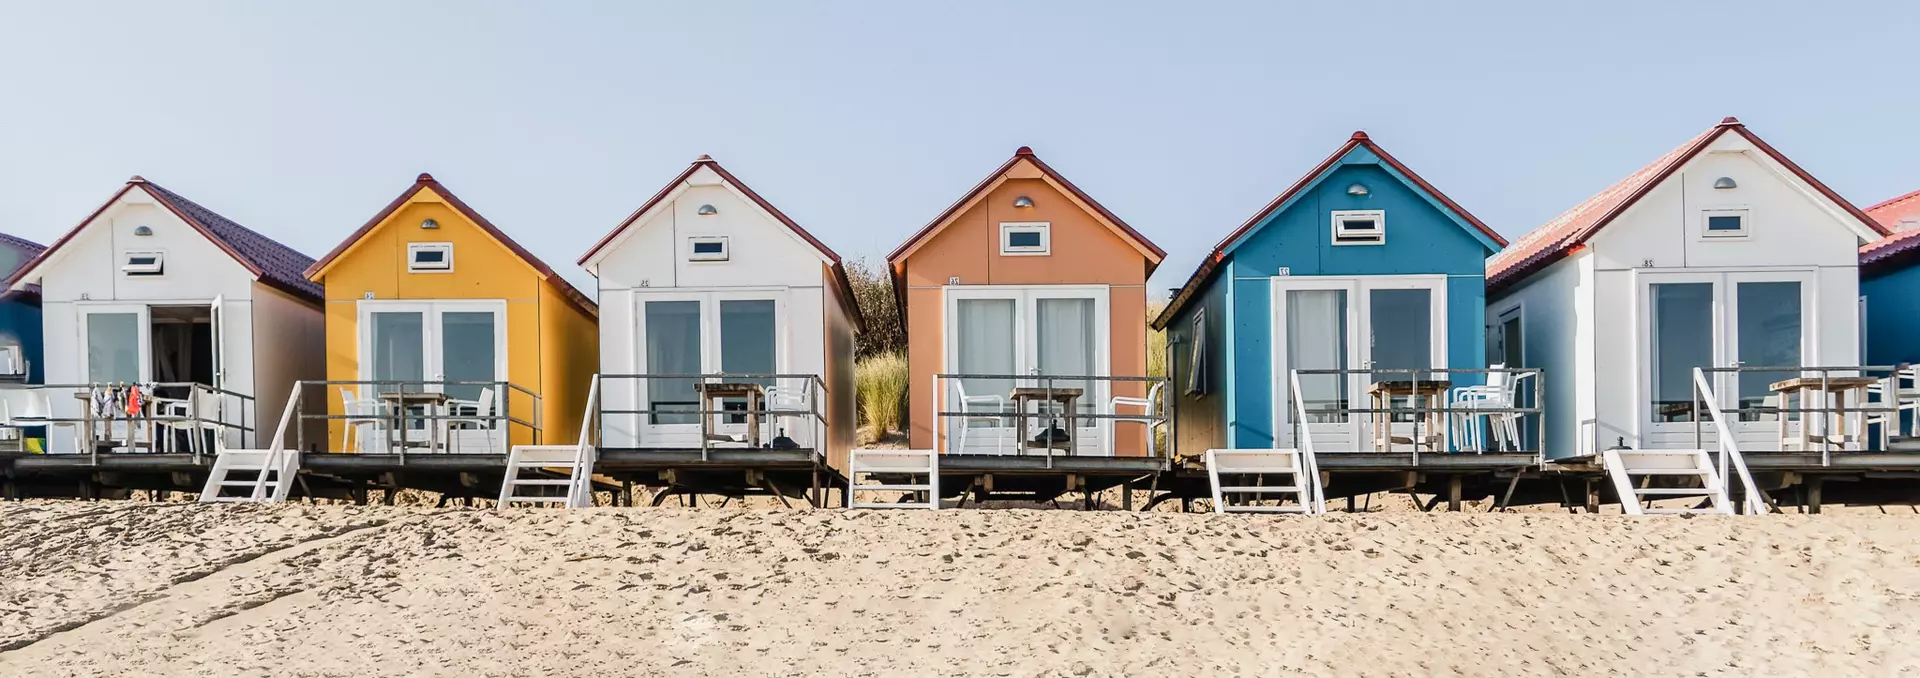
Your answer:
<point x="1197" y="355"/>
<point x="707" y="248"/>
<point x="144" y="263"/>
<point x="429" y="257"/>
<point x="1724" y="224"/>
<point x="1360" y="227"/>
<point x="1026" y="239"/>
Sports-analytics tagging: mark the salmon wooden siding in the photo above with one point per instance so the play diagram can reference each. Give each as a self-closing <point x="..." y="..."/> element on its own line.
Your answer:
<point x="552" y="336"/>
<point x="1088" y="247"/>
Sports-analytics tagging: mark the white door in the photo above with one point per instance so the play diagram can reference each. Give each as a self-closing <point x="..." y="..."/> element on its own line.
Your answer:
<point x="452" y="347"/>
<point x="687" y="334"/>
<point x="1709" y="319"/>
<point x="1051" y="330"/>
<point x="1329" y="323"/>
<point x="219" y="341"/>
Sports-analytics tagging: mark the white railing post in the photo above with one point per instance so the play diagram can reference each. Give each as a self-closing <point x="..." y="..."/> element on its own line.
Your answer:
<point x="275" y="449"/>
<point x="1729" y="448"/>
<point x="585" y="453"/>
<point x="1316" y="494"/>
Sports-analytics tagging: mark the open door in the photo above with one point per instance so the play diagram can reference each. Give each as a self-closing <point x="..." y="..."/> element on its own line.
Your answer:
<point x="219" y="343"/>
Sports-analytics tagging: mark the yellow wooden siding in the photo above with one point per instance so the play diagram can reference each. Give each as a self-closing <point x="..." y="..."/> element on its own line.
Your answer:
<point x="569" y="359"/>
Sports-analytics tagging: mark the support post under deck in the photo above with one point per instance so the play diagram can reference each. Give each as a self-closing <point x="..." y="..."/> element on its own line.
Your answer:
<point x="1453" y="493"/>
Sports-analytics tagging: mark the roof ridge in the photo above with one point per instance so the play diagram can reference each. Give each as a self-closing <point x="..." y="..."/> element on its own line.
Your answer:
<point x="1026" y="153"/>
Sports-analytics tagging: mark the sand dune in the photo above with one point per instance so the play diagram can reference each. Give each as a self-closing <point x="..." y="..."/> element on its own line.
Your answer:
<point x="339" y="591"/>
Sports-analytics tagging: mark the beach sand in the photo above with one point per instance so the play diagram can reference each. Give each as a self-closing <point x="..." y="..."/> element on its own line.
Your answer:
<point x="188" y="590"/>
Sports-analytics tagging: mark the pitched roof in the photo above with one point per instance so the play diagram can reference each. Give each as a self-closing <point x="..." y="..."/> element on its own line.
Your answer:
<point x="1556" y="238"/>
<point x="426" y="182"/>
<point x="26" y="250"/>
<point x="1890" y="214"/>
<point x="1155" y="254"/>
<point x="1359" y="139"/>
<point x="269" y="261"/>
<point x="845" y="286"/>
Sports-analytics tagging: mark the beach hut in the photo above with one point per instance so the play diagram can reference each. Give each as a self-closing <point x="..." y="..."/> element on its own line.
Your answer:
<point x="444" y="335"/>
<point x="152" y="288"/>
<point x="1025" y="296"/>
<point x="1890" y="284"/>
<point x="20" y="356"/>
<point x="709" y="281"/>
<point x="1359" y="265"/>
<point x="1721" y="253"/>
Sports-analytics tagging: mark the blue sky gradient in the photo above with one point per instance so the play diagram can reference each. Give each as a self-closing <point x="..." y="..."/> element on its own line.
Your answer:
<point x="863" y="120"/>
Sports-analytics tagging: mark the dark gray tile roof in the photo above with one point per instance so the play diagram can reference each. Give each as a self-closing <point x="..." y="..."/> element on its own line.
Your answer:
<point x="276" y="264"/>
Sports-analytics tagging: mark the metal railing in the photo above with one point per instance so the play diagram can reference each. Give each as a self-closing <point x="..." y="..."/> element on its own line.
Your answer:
<point x="1464" y="412"/>
<point x="1310" y="466"/>
<point x="684" y="411"/>
<point x="1729" y="457"/>
<point x="177" y="409"/>
<point x="1884" y="400"/>
<point x="1051" y="393"/>
<point x="418" y="415"/>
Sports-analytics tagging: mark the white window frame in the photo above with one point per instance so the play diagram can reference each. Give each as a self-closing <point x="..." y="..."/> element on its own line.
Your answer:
<point x="1726" y="342"/>
<point x="1026" y="300"/>
<point x="1359" y="351"/>
<point x="651" y="434"/>
<point x="1378" y="236"/>
<point x="445" y="248"/>
<point x="694" y="243"/>
<point x="1746" y="223"/>
<point x="143" y="326"/>
<point x="432" y="353"/>
<point x="1197" y="355"/>
<point x="1044" y="228"/>
<point x="154" y="270"/>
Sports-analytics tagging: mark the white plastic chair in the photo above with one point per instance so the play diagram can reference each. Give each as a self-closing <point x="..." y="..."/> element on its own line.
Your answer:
<point x="481" y="419"/>
<point x="786" y="403"/>
<point x="1497" y="394"/>
<point x="361" y="413"/>
<point x="12" y="360"/>
<point x="200" y="412"/>
<point x="1149" y="415"/>
<point x="30" y="407"/>
<point x="997" y="405"/>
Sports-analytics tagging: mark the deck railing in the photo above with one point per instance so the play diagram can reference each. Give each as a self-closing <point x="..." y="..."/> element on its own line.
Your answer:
<point x="1848" y="408"/>
<point x="1504" y="407"/>
<point x="686" y="411"/>
<point x="413" y="415"/>
<point x="1728" y="457"/>
<point x="1028" y="397"/>
<point x="172" y="415"/>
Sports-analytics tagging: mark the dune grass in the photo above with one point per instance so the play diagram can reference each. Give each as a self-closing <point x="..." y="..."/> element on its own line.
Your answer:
<point x="880" y="385"/>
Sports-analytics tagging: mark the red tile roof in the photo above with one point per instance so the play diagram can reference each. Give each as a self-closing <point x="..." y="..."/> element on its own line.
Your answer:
<point x="426" y="181"/>
<point x="1557" y="238"/>
<point x="845" y="285"/>
<point x="269" y="261"/>
<point x="1890" y="213"/>
<point x="1359" y="139"/>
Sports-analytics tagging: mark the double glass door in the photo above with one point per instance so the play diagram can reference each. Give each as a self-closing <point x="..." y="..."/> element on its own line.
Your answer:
<point x="1328" y="323"/>
<point x="689" y="334"/>
<point x="1027" y="332"/>
<point x="430" y="345"/>
<point x="1720" y="319"/>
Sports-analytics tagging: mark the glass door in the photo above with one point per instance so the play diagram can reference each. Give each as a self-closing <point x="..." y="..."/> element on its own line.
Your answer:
<point x="1025" y="331"/>
<point x="1709" y="319"/>
<point x="686" y="334"/>
<point x="1373" y="322"/>
<point x="420" y="347"/>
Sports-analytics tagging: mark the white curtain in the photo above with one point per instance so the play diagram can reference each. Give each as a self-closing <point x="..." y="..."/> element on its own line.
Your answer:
<point x="673" y="347"/>
<point x="1317" y="340"/>
<point x="986" y="345"/>
<point x="1064" y="333"/>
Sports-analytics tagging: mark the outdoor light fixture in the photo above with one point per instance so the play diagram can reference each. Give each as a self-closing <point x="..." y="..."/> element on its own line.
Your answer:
<point x="1725" y="182"/>
<point x="143" y="230"/>
<point x="1023" y="202"/>
<point x="429" y="224"/>
<point x="1357" y="189"/>
<point x="708" y="210"/>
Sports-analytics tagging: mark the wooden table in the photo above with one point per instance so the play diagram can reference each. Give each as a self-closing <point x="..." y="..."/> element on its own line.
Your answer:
<point x="1815" y="392"/>
<point x="1383" y="394"/>
<point x="711" y="393"/>
<point x="399" y="403"/>
<point x="1066" y="397"/>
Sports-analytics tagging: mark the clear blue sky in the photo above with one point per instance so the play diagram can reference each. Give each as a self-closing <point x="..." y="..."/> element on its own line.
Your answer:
<point x="863" y="120"/>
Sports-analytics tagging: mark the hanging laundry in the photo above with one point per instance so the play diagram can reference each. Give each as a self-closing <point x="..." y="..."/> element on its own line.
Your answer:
<point x="133" y="400"/>
<point x="102" y="402"/>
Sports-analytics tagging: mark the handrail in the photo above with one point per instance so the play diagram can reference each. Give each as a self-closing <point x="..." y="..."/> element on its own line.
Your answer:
<point x="585" y="454"/>
<point x="277" y="448"/>
<point x="1729" y="448"/>
<point x="1303" y="442"/>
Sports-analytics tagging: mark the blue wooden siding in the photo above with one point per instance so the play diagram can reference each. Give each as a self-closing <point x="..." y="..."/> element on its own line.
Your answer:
<point x="1422" y="238"/>
<point x="20" y="324"/>
<point x="1893" y="317"/>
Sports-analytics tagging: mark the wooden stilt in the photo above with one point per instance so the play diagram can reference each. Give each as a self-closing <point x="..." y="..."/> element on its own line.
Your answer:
<point x="1453" y="493"/>
<point x="1126" y="496"/>
<point x="1815" y="485"/>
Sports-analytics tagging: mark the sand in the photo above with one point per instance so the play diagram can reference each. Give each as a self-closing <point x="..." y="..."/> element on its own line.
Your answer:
<point x="187" y="590"/>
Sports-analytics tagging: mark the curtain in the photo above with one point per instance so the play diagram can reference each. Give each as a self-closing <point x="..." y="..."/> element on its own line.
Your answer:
<point x="1317" y="340"/>
<point x="673" y="347"/>
<point x="986" y="345"/>
<point x="1064" y="332"/>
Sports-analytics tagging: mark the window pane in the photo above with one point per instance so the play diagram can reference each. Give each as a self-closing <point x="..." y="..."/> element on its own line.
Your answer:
<point x="1769" y="336"/>
<point x="1402" y="322"/>
<point x="1317" y="340"/>
<point x="113" y="347"/>
<point x="746" y="345"/>
<point x="673" y="347"/>
<point x="1511" y="342"/>
<point x="399" y="348"/>
<point x="1023" y="239"/>
<point x="1682" y="340"/>
<point x="1724" y="223"/>
<point x="468" y="353"/>
<point x="986" y="344"/>
<point x="1065" y="336"/>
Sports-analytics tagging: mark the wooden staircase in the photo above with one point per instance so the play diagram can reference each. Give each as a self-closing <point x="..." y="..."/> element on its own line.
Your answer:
<point x="251" y="476"/>
<point x="1262" y="481"/>
<point x="870" y="471"/>
<point x="548" y="474"/>
<point x="1640" y="476"/>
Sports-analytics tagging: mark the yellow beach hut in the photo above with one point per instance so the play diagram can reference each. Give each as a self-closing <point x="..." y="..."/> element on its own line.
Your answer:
<point x="446" y="336"/>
